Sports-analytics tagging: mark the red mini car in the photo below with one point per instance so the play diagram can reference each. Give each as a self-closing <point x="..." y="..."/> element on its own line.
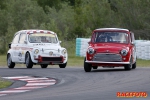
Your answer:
<point x="111" y="47"/>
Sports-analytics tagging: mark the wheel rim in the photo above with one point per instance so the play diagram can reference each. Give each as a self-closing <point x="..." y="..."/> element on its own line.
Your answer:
<point x="9" y="60"/>
<point x="27" y="60"/>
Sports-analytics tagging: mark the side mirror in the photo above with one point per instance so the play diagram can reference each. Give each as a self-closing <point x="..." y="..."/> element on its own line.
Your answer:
<point x="60" y="41"/>
<point x="9" y="45"/>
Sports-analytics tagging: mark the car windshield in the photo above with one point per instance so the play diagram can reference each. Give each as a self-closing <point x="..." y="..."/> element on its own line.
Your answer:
<point x="110" y="37"/>
<point x="42" y="38"/>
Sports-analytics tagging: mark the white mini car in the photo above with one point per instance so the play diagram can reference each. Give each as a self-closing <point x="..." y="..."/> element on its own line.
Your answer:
<point x="33" y="47"/>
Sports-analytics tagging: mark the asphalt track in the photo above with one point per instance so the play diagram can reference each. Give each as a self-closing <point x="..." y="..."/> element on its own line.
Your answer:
<point x="72" y="83"/>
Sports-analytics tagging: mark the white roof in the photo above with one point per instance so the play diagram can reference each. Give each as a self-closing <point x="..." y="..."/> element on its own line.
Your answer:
<point x="36" y="31"/>
<point x="112" y="29"/>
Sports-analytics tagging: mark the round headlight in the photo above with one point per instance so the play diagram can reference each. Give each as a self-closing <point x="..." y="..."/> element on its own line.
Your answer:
<point x="124" y="52"/>
<point x="64" y="51"/>
<point x="90" y="51"/>
<point x="36" y="51"/>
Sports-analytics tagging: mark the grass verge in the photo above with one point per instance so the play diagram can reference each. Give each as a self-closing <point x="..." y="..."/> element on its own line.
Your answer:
<point x="3" y="60"/>
<point x="4" y="83"/>
<point x="143" y="63"/>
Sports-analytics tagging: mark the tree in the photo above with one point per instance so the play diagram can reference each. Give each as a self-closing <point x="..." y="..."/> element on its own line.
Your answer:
<point x="18" y="15"/>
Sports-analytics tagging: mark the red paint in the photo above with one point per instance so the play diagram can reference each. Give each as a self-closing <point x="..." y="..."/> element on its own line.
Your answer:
<point x="112" y="47"/>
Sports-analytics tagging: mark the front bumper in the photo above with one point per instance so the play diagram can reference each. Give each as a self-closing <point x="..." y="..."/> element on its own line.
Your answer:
<point x="49" y="60"/>
<point x="102" y="62"/>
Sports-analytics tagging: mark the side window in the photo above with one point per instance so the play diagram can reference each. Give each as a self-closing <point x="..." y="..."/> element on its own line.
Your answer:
<point x="132" y="37"/>
<point x="16" y="38"/>
<point x="22" y="38"/>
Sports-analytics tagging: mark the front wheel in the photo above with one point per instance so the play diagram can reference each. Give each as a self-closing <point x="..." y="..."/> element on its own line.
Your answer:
<point x="87" y="67"/>
<point x="128" y="66"/>
<point x="28" y="61"/>
<point x="44" y="65"/>
<point x="134" y="66"/>
<point x="63" y="65"/>
<point x="9" y="62"/>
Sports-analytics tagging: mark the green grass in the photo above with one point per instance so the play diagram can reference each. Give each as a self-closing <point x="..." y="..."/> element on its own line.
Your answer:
<point x="4" y="83"/>
<point x="143" y="63"/>
<point x="3" y="60"/>
<point x="75" y="61"/>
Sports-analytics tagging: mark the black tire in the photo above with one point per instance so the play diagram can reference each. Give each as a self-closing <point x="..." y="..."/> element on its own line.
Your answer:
<point x="63" y="65"/>
<point x="94" y="67"/>
<point x="28" y="61"/>
<point x="87" y="67"/>
<point x="134" y="66"/>
<point x="44" y="65"/>
<point x="128" y="66"/>
<point x="10" y="64"/>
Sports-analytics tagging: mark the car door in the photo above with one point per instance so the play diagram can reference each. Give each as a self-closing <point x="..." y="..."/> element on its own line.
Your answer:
<point x="23" y="47"/>
<point x="15" y="48"/>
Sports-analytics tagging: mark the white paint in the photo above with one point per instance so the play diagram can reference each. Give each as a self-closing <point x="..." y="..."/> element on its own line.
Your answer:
<point x="41" y="81"/>
<point x="13" y="91"/>
<point x="17" y="77"/>
<point x="39" y="84"/>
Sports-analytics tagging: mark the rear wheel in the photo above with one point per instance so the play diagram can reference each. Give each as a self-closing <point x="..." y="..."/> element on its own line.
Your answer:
<point x="128" y="66"/>
<point x="63" y="65"/>
<point x="44" y="65"/>
<point x="87" y="67"/>
<point x="10" y="64"/>
<point x="28" y="61"/>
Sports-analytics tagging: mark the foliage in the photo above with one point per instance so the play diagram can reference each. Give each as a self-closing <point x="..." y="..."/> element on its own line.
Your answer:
<point x="72" y="18"/>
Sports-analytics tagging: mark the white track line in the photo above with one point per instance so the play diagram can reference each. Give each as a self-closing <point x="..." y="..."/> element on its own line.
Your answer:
<point x="13" y="91"/>
<point x="35" y="81"/>
<point x="39" y="84"/>
<point x="17" y="77"/>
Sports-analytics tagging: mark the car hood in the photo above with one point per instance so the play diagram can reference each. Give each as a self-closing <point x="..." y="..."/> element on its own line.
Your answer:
<point x="109" y="47"/>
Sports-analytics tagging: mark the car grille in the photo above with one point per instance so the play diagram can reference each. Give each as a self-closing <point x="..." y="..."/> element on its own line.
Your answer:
<point x="52" y="59"/>
<point x="107" y="57"/>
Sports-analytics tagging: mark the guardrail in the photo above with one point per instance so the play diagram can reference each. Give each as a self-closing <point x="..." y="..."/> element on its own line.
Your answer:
<point x="142" y="48"/>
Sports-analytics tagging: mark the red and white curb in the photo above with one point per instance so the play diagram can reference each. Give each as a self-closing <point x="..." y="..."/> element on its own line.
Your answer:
<point x="32" y="83"/>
